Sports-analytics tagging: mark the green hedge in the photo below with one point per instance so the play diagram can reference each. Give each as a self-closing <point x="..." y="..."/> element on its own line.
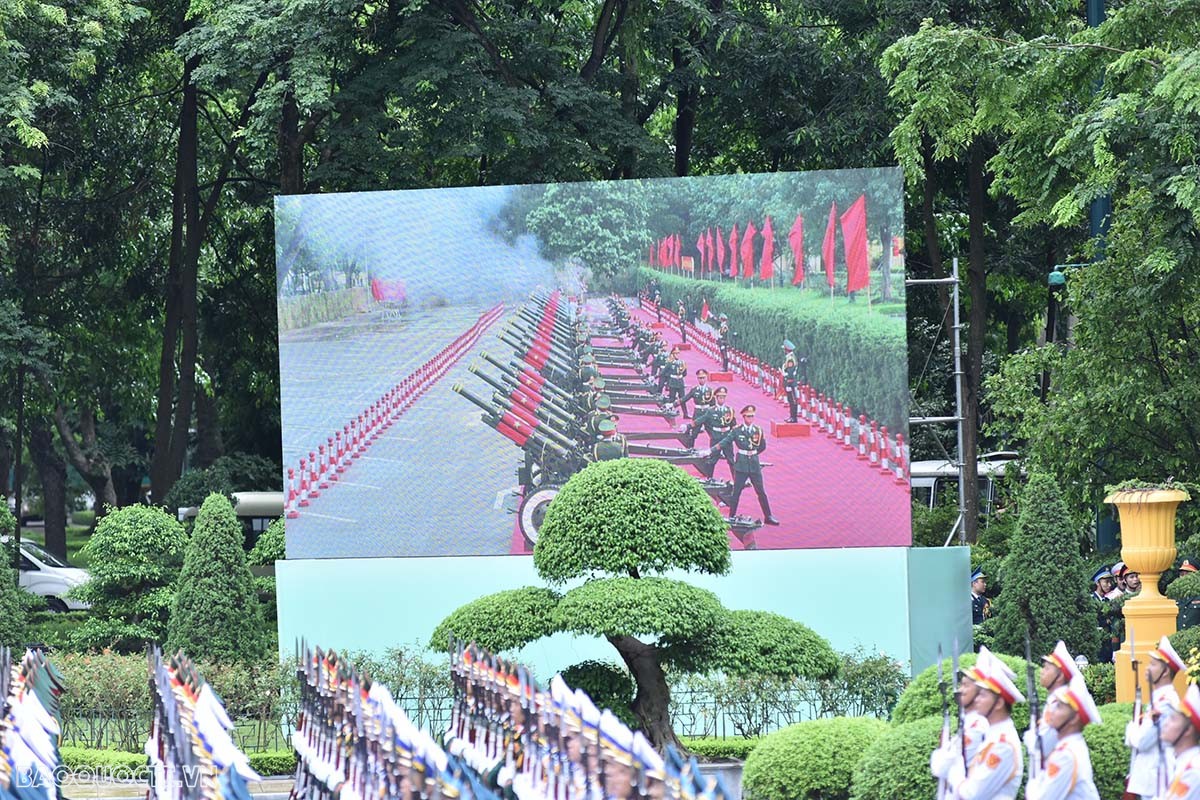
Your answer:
<point x="123" y="765"/>
<point x="1106" y="743"/>
<point x="896" y="765"/>
<point x="809" y="759"/>
<point x="854" y="356"/>
<point x="921" y="699"/>
<point x="713" y="748"/>
<point x="273" y="762"/>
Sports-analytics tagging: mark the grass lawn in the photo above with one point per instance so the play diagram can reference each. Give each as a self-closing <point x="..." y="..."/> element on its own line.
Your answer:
<point x="77" y="537"/>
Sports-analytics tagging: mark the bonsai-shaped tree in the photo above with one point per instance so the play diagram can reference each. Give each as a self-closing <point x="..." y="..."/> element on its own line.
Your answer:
<point x="1045" y="579"/>
<point x="620" y="525"/>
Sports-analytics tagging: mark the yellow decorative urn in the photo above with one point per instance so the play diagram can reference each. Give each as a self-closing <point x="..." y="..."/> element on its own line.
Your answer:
<point x="1147" y="548"/>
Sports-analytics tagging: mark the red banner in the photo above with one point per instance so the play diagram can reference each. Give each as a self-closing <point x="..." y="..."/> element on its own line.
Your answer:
<point x="829" y="246"/>
<point x="733" y="252"/>
<point x="854" y="241"/>
<point x="720" y="252"/>
<point x="796" y="241"/>
<point x="748" y="250"/>
<point x="767" y="268"/>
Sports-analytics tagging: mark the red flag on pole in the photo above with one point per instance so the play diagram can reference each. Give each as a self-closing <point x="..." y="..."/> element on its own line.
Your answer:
<point x="748" y="250"/>
<point x="678" y="250"/>
<point x="854" y="241"/>
<point x="796" y="240"/>
<point x="704" y="312"/>
<point x="700" y="247"/>
<point x="720" y="252"/>
<point x="767" y="270"/>
<point x="733" y="252"/>
<point x="829" y="247"/>
<point x="708" y="240"/>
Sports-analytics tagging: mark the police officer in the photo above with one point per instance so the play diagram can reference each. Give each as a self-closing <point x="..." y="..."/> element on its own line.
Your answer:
<point x="1181" y="732"/>
<point x="723" y="340"/>
<point x="981" y="607"/>
<point x="749" y="440"/>
<point x="1068" y="772"/>
<point x="1103" y="581"/>
<point x="702" y="395"/>
<point x="612" y="444"/>
<point x="791" y="378"/>
<point x="717" y="422"/>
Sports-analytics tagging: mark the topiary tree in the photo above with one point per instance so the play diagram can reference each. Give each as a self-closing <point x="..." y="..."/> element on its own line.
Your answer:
<point x="608" y="685"/>
<point x="619" y="525"/>
<point x="134" y="555"/>
<point x="216" y="614"/>
<point x="922" y="699"/>
<point x="896" y="764"/>
<point x="1045" y="580"/>
<point x="809" y="759"/>
<point x="270" y="547"/>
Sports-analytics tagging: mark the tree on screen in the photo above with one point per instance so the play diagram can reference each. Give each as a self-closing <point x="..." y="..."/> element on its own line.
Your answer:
<point x="621" y="526"/>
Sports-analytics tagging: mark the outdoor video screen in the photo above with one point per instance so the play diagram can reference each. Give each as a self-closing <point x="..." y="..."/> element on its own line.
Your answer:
<point x="449" y="358"/>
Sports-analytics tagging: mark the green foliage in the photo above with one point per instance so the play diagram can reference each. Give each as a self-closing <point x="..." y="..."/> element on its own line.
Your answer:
<point x="270" y="547"/>
<point x="836" y="340"/>
<point x="113" y="764"/>
<point x="931" y="526"/>
<point x="273" y="762"/>
<point x="217" y="615"/>
<point x="1045" y="592"/>
<point x="83" y="519"/>
<point x="55" y="630"/>
<point x="714" y="749"/>
<point x="502" y="621"/>
<point x="601" y="226"/>
<point x="1185" y="586"/>
<point x="1185" y="641"/>
<point x="1106" y="744"/>
<point x="672" y="610"/>
<point x="609" y="686"/>
<point x="1101" y="680"/>
<point x="809" y="759"/>
<point x="759" y="643"/>
<point x="8" y="523"/>
<point x="135" y="555"/>
<point x="896" y="764"/>
<point x="922" y="699"/>
<point x="228" y="474"/>
<point x="627" y="515"/>
<point x="867" y="684"/>
<point x="12" y="604"/>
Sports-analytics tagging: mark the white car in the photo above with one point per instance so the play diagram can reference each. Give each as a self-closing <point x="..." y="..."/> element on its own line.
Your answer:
<point x="47" y="575"/>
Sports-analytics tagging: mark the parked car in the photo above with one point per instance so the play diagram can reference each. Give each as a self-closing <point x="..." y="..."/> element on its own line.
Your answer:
<point x="47" y="575"/>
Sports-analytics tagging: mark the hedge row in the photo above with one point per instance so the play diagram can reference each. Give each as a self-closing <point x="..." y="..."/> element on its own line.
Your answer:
<point x="301" y="311"/>
<point x="855" y="357"/>
<point x="711" y="747"/>
<point x="810" y="759"/>
<point x="117" y="764"/>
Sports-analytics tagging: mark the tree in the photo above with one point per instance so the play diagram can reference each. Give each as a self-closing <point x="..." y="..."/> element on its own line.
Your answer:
<point x="216" y="614"/>
<point x="1045" y="591"/>
<point x="134" y="554"/>
<point x="620" y="525"/>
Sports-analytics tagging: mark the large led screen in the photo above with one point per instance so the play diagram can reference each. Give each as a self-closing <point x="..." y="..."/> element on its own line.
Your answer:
<point x="450" y="357"/>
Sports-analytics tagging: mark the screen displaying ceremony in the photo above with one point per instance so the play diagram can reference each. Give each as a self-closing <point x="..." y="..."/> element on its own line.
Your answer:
<point x="450" y="358"/>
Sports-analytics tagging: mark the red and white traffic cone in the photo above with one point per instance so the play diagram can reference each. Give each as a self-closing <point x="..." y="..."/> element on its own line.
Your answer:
<point x="334" y="455"/>
<point x="303" y="484"/>
<point x="901" y="460"/>
<point x="885" y="451"/>
<point x="314" y="491"/>
<point x="838" y="422"/>
<point x="342" y="445"/>
<point x="847" y="442"/>
<point x="874" y="443"/>
<point x="323" y="470"/>
<point x="862" y="438"/>
<point x="292" y="513"/>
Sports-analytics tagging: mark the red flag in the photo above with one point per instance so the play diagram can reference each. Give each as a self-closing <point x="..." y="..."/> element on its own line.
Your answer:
<point x="733" y="252"/>
<point x="796" y="240"/>
<point x="700" y="247"/>
<point x="678" y="250"/>
<point x="385" y="291"/>
<point x="708" y="240"/>
<point x="704" y="312"/>
<point x="662" y="252"/>
<point x="768" y="252"/>
<point x="748" y="250"/>
<point x="652" y="255"/>
<point x="720" y="252"/>
<point x="854" y="241"/>
<point x="829" y="246"/>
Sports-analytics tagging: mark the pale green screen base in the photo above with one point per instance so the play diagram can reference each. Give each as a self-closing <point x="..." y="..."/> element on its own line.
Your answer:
<point x="899" y="601"/>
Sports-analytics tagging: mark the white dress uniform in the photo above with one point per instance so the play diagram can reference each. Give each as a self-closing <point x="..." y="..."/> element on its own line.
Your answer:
<point x="1068" y="773"/>
<point x="1146" y="777"/>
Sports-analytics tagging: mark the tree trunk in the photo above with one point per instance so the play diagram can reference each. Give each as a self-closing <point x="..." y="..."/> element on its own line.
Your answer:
<point x="87" y="460"/>
<point x="6" y="463"/>
<point x="52" y="469"/>
<point x="629" y="37"/>
<point x="933" y="249"/>
<point x="976" y="328"/>
<point x="652" y="702"/>
<point x="687" y="99"/>
<point x="209" y="444"/>
<point x="291" y="145"/>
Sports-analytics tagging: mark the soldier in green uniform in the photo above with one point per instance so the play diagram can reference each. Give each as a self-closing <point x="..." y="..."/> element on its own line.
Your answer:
<point x="717" y="422"/>
<point x="587" y="369"/>
<point x="658" y="304"/>
<point x="682" y="313"/>
<point x="675" y="372"/>
<point x="591" y="428"/>
<point x="723" y="340"/>
<point x="748" y="440"/>
<point x="659" y="362"/>
<point x="791" y="378"/>
<point x="612" y="444"/>
<point x="701" y="394"/>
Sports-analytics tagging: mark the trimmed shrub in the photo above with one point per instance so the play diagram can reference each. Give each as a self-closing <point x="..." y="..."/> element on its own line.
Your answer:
<point x="1101" y="680"/>
<point x="1045" y="591"/>
<point x="111" y="764"/>
<point x="273" y="762"/>
<point x="501" y="621"/>
<point x="837" y="339"/>
<point x="216" y="615"/>
<point x="270" y="547"/>
<point x="712" y="748"/>
<point x="1187" y="643"/>
<point x="809" y="759"/>
<point x="896" y="765"/>
<point x="609" y="686"/>
<point x="1106" y="742"/>
<point x="921" y="699"/>
<point x="134" y="554"/>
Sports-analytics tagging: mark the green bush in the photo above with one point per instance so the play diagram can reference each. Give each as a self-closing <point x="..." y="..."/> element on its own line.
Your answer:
<point x="83" y="519"/>
<point x="1045" y="594"/>
<point x="1101" y="680"/>
<point x="1185" y="641"/>
<point x="931" y="526"/>
<point x="896" y="765"/>
<point x="711" y="748"/>
<point x="809" y="759"/>
<point x="13" y="606"/>
<point x="609" y="686"/>
<point x="134" y="554"/>
<point x="56" y="631"/>
<point x="1106" y="743"/>
<point x="837" y="339"/>
<point x="113" y="764"/>
<point x="270" y="547"/>
<point x="921" y="699"/>
<point x="273" y="762"/>
<point x="216" y="614"/>
<point x="1184" y="587"/>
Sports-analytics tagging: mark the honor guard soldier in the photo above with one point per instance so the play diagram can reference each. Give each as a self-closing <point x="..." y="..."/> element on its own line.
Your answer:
<point x="723" y="337"/>
<point x="601" y="412"/>
<point x="995" y="771"/>
<point x="1068" y="772"/>
<point x="1058" y="670"/>
<point x="717" y="422"/>
<point x="791" y="378"/>
<point x="981" y="607"/>
<point x="748" y="441"/>
<point x="587" y="369"/>
<point x="702" y="395"/>
<point x="682" y="312"/>
<point x="1150" y="764"/>
<point x="659" y="363"/>
<point x="675" y="373"/>
<point x="1181" y="732"/>
<point x="612" y="445"/>
<point x="974" y="726"/>
<point x="658" y="304"/>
